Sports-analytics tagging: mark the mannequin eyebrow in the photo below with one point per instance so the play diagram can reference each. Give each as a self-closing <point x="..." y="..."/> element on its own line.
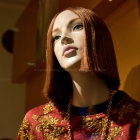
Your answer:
<point x="70" y="22"/>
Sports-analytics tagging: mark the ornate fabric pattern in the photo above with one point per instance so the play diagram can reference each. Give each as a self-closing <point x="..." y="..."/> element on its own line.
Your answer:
<point x="47" y="123"/>
<point x="24" y="131"/>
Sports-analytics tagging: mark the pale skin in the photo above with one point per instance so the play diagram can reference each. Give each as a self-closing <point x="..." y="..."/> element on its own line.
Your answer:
<point x="88" y="89"/>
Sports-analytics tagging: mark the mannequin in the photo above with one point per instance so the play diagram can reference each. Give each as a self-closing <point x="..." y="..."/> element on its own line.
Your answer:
<point x="82" y="84"/>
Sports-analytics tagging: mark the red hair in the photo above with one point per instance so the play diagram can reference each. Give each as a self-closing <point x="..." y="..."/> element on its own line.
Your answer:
<point x="98" y="56"/>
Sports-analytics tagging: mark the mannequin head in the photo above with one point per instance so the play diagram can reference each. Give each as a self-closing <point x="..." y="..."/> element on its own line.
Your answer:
<point x="95" y="53"/>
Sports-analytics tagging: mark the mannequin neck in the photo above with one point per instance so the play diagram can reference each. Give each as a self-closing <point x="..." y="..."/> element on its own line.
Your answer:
<point x="88" y="89"/>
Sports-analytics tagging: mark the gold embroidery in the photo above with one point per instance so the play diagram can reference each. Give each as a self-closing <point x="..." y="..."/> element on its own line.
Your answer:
<point x="95" y="124"/>
<point x="91" y="123"/>
<point x="53" y="132"/>
<point x="46" y="122"/>
<point x="24" y="131"/>
<point x="35" y="117"/>
<point x="48" y="108"/>
<point x="49" y="124"/>
<point x="114" y="131"/>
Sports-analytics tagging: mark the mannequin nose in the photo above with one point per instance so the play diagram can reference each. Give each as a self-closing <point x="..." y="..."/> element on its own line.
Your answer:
<point x="66" y="40"/>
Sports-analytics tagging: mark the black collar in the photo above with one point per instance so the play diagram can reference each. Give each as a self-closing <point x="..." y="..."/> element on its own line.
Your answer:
<point x="95" y="109"/>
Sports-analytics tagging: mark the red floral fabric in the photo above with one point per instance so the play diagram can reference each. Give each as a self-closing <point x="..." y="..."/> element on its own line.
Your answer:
<point x="47" y="123"/>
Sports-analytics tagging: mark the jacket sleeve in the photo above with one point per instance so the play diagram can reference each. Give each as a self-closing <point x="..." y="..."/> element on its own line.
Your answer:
<point x="24" y="132"/>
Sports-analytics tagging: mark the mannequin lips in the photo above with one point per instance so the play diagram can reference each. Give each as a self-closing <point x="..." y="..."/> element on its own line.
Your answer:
<point x="68" y="49"/>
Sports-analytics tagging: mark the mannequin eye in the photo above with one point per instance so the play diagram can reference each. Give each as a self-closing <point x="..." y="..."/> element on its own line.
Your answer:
<point x="56" y="38"/>
<point x="78" y="27"/>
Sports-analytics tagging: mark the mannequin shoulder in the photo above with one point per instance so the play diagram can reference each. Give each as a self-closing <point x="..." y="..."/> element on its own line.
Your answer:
<point x="41" y="118"/>
<point x="125" y="98"/>
<point x="42" y="110"/>
<point x="125" y="104"/>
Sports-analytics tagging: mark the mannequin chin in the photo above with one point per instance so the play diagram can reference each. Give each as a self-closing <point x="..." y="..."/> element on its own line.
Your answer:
<point x="72" y="65"/>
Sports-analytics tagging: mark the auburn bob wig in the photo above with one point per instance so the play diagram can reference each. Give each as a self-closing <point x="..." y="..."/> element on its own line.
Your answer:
<point x="98" y="56"/>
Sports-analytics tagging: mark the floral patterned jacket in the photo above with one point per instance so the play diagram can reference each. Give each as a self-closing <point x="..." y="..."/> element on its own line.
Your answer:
<point x="46" y="122"/>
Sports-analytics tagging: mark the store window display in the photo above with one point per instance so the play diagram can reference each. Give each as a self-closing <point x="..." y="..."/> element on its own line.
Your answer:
<point x="82" y="83"/>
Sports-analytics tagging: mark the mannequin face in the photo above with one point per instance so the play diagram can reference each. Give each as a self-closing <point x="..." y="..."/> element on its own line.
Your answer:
<point x="68" y="36"/>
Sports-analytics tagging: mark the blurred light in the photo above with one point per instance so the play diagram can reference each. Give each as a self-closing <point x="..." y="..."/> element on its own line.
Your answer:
<point x="109" y="0"/>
